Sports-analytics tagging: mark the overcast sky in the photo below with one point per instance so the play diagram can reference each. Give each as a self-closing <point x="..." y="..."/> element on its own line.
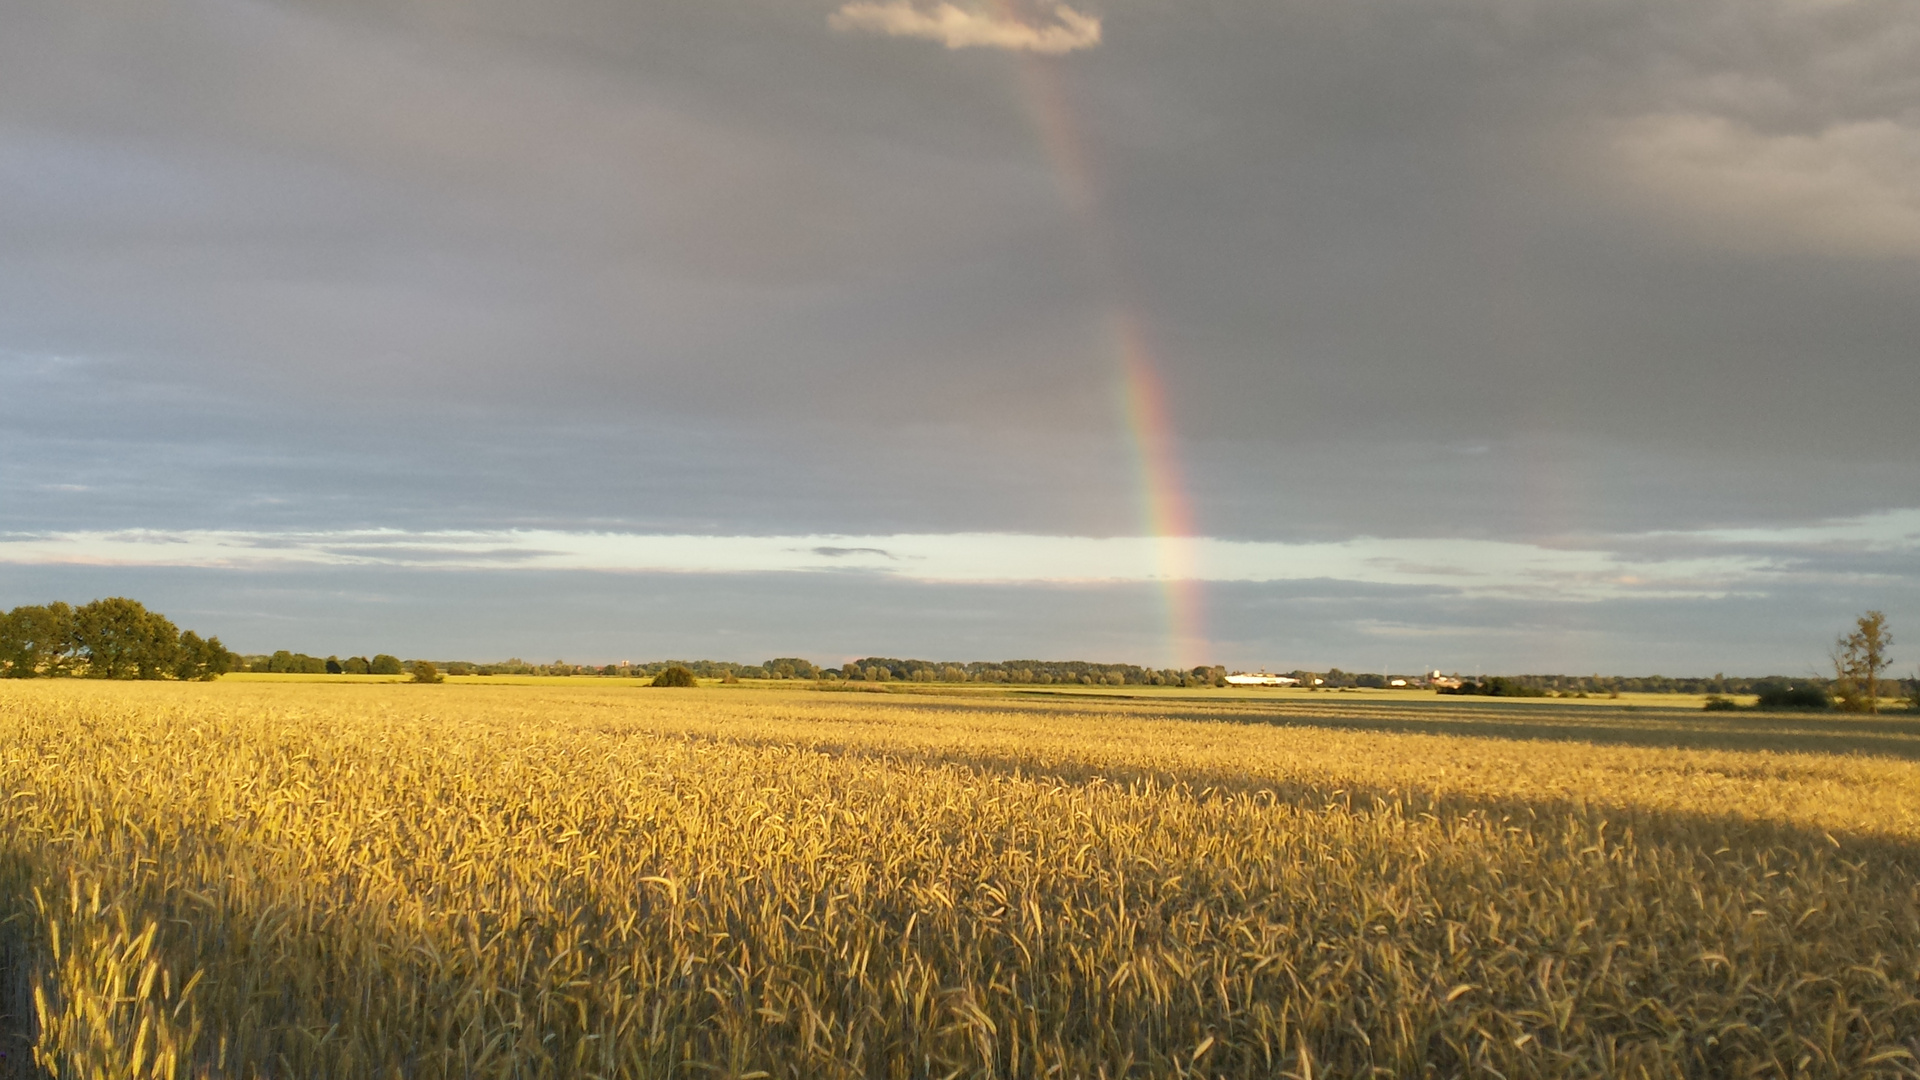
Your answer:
<point x="1495" y="334"/>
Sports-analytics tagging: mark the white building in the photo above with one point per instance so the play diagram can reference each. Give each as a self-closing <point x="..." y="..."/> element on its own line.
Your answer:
<point x="1261" y="678"/>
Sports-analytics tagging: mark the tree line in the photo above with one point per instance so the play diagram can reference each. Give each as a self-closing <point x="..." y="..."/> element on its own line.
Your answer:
<point x="119" y="638"/>
<point x="284" y="662"/>
<point x="114" y="638"/>
<point x="1772" y="690"/>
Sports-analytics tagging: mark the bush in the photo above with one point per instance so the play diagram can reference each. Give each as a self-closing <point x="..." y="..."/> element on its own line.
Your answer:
<point x="426" y="672"/>
<point x="675" y="676"/>
<point x="1716" y="703"/>
<point x="1785" y="696"/>
<point x="1496" y="686"/>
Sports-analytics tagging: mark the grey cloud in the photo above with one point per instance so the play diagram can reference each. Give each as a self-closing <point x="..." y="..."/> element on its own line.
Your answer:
<point x="715" y="267"/>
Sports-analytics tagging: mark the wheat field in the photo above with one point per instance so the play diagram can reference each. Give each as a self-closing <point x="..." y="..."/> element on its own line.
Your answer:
<point x="257" y="879"/>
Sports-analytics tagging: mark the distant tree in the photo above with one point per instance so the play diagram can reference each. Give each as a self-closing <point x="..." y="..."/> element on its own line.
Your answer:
<point x="425" y="672"/>
<point x="356" y="665"/>
<point x="384" y="664"/>
<point x="1858" y="660"/>
<point x="121" y="639"/>
<point x="1494" y="686"/>
<point x="334" y="667"/>
<point x="675" y="675"/>
<point x="36" y="640"/>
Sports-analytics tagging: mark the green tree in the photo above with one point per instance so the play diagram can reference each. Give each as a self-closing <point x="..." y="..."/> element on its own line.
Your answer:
<point x="36" y="640"/>
<point x="425" y="672"/>
<point x="203" y="660"/>
<point x="1858" y="660"/>
<point x="675" y="675"/>
<point x="121" y="639"/>
<point x="384" y="664"/>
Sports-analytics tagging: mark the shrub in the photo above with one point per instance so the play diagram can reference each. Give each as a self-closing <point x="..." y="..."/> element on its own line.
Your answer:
<point x="1785" y="696"/>
<point x="426" y="672"/>
<point x="1716" y="703"/>
<point x="675" y="676"/>
<point x="1496" y="686"/>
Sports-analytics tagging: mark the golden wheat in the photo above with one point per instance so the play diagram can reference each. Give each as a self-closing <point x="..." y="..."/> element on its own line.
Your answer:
<point x="251" y="880"/>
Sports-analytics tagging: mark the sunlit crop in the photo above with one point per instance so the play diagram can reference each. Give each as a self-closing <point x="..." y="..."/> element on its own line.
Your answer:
<point x="305" y="880"/>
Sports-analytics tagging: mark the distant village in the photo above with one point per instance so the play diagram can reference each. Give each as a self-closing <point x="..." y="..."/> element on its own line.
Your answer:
<point x="1432" y="680"/>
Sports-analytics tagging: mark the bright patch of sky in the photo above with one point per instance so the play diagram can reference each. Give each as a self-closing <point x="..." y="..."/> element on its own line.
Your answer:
<point x="1708" y="563"/>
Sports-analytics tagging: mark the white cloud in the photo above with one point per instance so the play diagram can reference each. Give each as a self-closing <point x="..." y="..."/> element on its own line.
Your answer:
<point x="959" y="27"/>
<point x="1666" y="564"/>
<point x="1848" y="189"/>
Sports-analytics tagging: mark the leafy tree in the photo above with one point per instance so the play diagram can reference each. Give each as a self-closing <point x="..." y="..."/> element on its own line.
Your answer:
<point x="202" y="660"/>
<point x="36" y="640"/>
<point x="791" y="667"/>
<point x="356" y="665"/>
<point x="1858" y="660"/>
<point x="121" y="639"/>
<point x="674" y="676"/>
<point x="425" y="672"/>
<point x="384" y="664"/>
<point x="293" y="663"/>
<point x="114" y="638"/>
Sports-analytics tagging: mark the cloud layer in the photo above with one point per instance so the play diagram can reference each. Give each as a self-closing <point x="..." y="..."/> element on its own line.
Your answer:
<point x="1706" y="564"/>
<point x="959" y="27"/>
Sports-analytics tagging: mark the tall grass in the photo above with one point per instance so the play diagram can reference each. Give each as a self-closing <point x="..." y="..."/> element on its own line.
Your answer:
<point x="252" y="880"/>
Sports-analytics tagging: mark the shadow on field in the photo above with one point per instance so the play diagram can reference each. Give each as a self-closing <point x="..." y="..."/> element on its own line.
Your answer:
<point x="1877" y="853"/>
<point x="16" y="1003"/>
<point x="1782" y="732"/>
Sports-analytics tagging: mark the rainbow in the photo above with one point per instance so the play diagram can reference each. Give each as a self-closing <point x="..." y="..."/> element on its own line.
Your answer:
<point x="1166" y="511"/>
